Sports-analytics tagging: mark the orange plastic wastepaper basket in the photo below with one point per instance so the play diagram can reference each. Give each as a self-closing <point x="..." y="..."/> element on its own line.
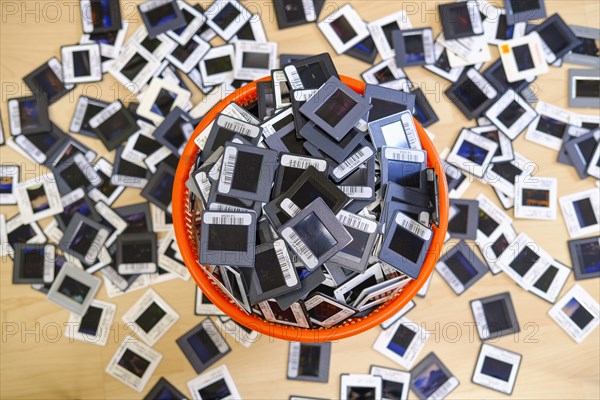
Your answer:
<point x="184" y="218"/>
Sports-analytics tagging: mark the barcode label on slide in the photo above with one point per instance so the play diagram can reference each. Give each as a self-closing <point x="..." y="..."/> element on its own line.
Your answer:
<point x="300" y="248"/>
<point x="221" y="218"/>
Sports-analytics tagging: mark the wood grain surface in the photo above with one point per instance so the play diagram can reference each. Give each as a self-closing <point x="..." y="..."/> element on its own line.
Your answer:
<point x="38" y="361"/>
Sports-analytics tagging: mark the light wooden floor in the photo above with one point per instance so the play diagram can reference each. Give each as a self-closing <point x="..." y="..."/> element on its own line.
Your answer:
<point x="37" y="361"/>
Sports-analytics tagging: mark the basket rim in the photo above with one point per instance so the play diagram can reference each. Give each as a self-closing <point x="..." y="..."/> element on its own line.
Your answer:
<point x="279" y="331"/>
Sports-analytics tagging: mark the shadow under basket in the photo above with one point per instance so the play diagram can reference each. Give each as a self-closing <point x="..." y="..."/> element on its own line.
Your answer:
<point x="185" y="217"/>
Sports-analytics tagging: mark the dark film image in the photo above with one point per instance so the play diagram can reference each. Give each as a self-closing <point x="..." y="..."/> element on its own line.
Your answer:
<point x="335" y="108"/>
<point x="74" y="176"/>
<point x="406" y="244"/>
<point x="392" y="390"/>
<point x="458" y="223"/>
<point x="235" y="284"/>
<point x="90" y="111"/>
<point x="217" y="390"/>
<point x="311" y="75"/>
<point x="293" y="11"/>
<point x="247" y="171"/>
<point x="205" y="300"/>
<point x="315" y="235"/>
<point x="73" y="289"/>
<point x="472" y="152"/>
<point x="536" y="198"/>
<point x="6" y="184"/>
<point x="578" y="313"/>
<point x="401" y="340"/>
<point x="384" y="75"/>
<point x="523" y="58"/>
<point x="182" y="53"/>
<point x="134" y="363"/>
<point x="21" y="235"/>
<point x="496" y="368"/>
<point x="494" y="136"/>
<point x="294" y="145"/>
<point x="245" y="33"/>
<point x="552" y="36"/>
<point x="43" y="141"/>
<point x="136" y="222"/>
<point x="588" y="47"/>
<point x="106" y="188"/>
<point x="511" y="114"/>
<point x="255" y="60"/>
<point x="164" y="102"/>
<point x="323" y="311"/>
<point x="135" y="65"/>
<point x="150" y="317"/>
<point x="589" y="254"/>
<point x="413" y="46"/>
<point x="309" y="362"/>
<point x="458" y="15"/>
<point x="227" y="237"/>
<point x="286" y="315"/>
<point x="461" y="267"/>
<point x="486" y="224"/>
<point x="587" y="87"/>
<point x="544" y="282"/>
<point x="442" y="62"/>
<point x="81" y="63"/>
<point x="130" y="170"/>
<point x="496" y="315"/>
<point x="163" y="190"/>
<point x="101" y="13"/>
<point x="404" y="173"/>
<point x="586" y="149"/>
<point x="175" y="134"/>
<point x="203" y="345"/>
<point x="227" y="15"/>
<point x="358" y="244"/>
<point x="388" y="31"/>
<point x="104" y="37"/>
<point x="146" y="145"/>
<point x="114" y="126"/>
<point x="137" y="252"/>
<point x="49" y="82"/>
<point x="268" y="270"/>
<point x="90" y="321"/>
<point x="430" y="380"/>
<point x="165" y="394"/>
<point x="83" y="239"/>
<point x="551" y="126"/>
<point x="524" y="261"/>
<point x="383" y="108"/>
<point x="500" y="245"/>
<point x="162" y="14"/>
<point x="151" y="44"/>
<point x="360" y="393"/>
<point x="28" y="114"/>
<point x="33" y="262"/>
<point x="218" y="65"/>
<point x="585" y="212"/>
<point x="283" y="122"/>
<point x="504" y="31"/>
<point x="524" y="5"/>
<point x="343" y="29"/>
<point x="470" y="94"/>
<point x="37" y="198"/>
<point x="507" y="171"/>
